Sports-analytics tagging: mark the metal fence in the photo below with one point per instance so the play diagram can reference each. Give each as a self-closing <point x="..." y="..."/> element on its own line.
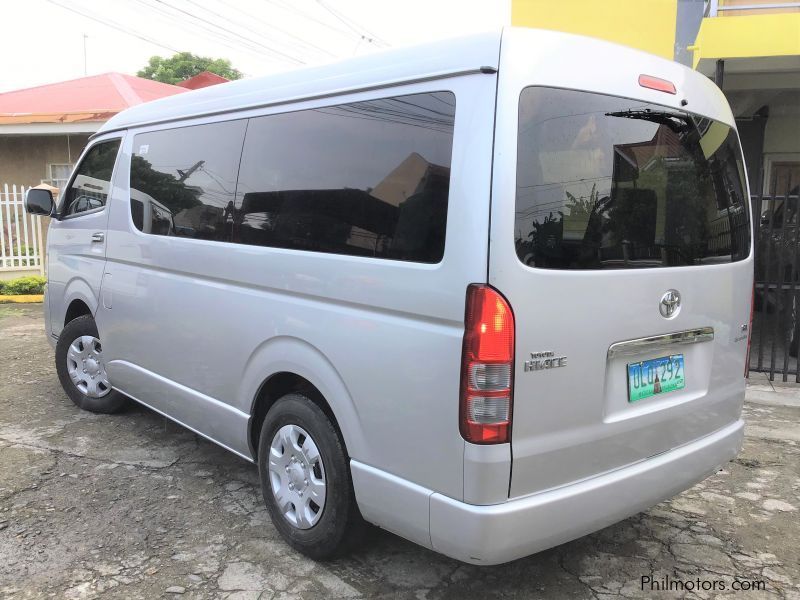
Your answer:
<point x="776" y="328"/>
<point x="21" y="247"/>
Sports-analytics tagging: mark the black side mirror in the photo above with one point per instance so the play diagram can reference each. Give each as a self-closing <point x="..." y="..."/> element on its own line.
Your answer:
<point x="39" y="202"/>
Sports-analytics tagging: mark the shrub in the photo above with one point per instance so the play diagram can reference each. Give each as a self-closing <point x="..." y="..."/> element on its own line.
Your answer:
<point x="23" y="286"/>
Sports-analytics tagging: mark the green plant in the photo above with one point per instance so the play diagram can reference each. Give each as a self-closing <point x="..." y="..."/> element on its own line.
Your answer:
<point x="32" y="284"/>
<point x="183" y="65"/>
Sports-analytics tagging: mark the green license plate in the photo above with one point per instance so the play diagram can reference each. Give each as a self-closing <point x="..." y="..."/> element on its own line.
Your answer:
<point x="657" y="376"/>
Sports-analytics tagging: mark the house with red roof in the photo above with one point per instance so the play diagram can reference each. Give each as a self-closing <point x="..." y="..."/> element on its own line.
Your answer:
<point x="44" y="129"/>
<point x="201" y="80"/>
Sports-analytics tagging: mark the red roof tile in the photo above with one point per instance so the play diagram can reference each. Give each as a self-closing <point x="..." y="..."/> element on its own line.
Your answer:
<point x="201" y="80"/>
<point x="94" y="98"/>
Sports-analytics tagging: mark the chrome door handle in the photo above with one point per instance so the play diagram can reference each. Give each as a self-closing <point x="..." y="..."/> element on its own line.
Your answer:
<point x="98" y="237"/>
<point x="679" y="338"/>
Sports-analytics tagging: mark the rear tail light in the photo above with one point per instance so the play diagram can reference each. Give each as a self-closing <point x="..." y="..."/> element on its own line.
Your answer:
<point x="658" y="84"/>
<point x="749" y="333"/>
<point x="487" y="367"/>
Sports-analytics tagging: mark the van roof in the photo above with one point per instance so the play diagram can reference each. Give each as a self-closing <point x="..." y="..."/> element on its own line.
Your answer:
<point x="379" y="69"/>
<point x="564" y="60"/>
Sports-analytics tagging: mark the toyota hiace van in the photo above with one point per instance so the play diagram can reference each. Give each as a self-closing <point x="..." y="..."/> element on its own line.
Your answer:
<point x="490" y="294"/>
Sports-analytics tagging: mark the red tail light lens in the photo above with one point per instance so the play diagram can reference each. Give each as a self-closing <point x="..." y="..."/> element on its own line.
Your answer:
<point x="487" y="367"/>
<point x="749" y="333"/>
<point x="658" y="84"/>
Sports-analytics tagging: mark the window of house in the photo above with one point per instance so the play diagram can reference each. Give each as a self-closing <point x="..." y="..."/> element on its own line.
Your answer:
<point x="58" y="174"/>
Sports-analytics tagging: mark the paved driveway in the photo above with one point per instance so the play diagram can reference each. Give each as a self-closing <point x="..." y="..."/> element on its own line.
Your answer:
<point x="130" y="506"/>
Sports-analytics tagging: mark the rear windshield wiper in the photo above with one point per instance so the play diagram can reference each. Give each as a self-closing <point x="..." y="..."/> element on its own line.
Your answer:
<point x="675" y="122"/>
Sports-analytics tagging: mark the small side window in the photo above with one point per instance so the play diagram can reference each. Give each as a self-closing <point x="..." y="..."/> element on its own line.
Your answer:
<point x="183" y="180"/>
<point x="90" y="187"/>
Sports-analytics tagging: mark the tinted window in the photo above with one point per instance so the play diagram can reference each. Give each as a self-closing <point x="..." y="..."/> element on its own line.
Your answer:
<point x="183" y="180"/>
<point x="92" y="183"/>
<point x="367" y="179"/>
<point x="606" y="182"/>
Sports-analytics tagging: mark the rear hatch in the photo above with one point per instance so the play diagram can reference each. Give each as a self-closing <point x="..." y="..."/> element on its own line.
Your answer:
<point x="630" y="279"/>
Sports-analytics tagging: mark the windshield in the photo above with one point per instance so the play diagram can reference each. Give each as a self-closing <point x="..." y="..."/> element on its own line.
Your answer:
<point x="609" y="183"/>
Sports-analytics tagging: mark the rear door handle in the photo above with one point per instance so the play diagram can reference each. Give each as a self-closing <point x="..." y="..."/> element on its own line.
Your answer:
<point x="98" y="237"/>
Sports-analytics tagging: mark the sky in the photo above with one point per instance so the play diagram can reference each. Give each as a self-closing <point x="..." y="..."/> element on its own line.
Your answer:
<point x="43" y="40"/>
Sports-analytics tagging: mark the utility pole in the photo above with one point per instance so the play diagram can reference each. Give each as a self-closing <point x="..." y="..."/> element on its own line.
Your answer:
<point x="184" y="175"/>
<point x="85" y="72"/>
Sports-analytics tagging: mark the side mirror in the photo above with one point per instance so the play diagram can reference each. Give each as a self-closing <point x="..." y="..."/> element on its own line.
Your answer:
<point x="39" y="202"/>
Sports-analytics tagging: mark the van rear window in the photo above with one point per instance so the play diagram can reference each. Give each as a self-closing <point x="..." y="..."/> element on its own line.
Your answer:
<point x="612" y="183"/>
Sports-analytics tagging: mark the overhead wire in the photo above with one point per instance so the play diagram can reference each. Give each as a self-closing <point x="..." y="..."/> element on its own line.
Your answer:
<point x="234" y="33"/>
<point x="173" y="18"/>
<point x="360" y="30"/>
<point x="294" y="9"/>
<point x="273" y="27"/>
<point x="114" y="25"/>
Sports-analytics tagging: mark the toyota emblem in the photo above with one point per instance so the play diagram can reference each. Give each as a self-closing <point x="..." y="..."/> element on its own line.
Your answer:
<point x="670" y="304"/>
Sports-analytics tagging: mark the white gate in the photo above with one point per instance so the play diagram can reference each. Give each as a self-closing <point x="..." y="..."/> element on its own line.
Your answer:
<point x="21" y="247"/>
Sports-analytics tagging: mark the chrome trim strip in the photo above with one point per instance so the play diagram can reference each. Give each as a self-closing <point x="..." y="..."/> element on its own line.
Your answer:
<point x="679" y="338"/>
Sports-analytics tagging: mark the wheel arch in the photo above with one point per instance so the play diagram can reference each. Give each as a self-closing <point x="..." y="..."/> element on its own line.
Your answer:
<point x="77" y="308"/>
<point x="287" y="364"/>
<point x="79" y="298"/>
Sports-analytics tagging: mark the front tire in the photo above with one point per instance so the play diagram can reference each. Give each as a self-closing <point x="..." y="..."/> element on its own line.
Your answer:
<point x="305" y="479"/>
<point x="81" y="368"/>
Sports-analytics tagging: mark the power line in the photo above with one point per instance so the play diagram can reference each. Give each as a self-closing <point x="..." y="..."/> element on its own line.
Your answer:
<point x="293" y="9"/>
<point x="172" y="18"/>
<point x="116" y="26"/>
<point x="273" y="27"/>
<point x="363" y="32"/>
<point x="236" y="34"/>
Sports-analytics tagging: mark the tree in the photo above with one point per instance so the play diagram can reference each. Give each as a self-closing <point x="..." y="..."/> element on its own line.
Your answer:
<point x="183" y="65"/>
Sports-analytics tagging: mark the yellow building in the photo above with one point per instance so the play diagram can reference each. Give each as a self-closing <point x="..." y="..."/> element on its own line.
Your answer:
<point x="751" y="48"/>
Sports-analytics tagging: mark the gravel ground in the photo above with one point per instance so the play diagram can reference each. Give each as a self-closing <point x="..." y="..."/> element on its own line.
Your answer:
<point x="131" y="506"/>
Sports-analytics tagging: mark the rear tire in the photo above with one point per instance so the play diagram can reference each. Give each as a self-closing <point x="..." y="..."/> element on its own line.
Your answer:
<point x="305" y="479"/>
<point x="81" y="369"/>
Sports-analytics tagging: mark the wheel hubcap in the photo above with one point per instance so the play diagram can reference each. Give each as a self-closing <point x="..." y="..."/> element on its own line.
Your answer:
<point x="297" y="476"/>
<point x="86" y="367"/>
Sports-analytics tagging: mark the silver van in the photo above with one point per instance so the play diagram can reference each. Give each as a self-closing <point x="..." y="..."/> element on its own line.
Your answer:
<point x="490" y="294"/>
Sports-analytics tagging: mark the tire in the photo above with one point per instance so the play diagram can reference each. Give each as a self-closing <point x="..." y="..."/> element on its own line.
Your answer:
<point x="285" y="458"/>
<point x="87" y="387"/>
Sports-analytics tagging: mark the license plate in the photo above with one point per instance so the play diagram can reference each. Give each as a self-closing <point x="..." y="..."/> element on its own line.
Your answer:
<point x="656" y="376"/>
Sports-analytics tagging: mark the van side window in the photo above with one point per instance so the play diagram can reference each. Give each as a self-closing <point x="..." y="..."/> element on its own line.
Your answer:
<point x="90" y="187"/>
<point x="183" y="180"/>
<point x="367" y="179"/>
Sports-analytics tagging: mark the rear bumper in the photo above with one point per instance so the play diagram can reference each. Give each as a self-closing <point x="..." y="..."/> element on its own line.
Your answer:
<point x="500" y="533"/>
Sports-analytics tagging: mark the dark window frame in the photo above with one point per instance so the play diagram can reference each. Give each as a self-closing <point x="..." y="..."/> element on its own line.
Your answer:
<point x="746" y="200"/>
<point x="235" y="118"/>
<point x="63" y="195"/>
<point x="239" y="201"/>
